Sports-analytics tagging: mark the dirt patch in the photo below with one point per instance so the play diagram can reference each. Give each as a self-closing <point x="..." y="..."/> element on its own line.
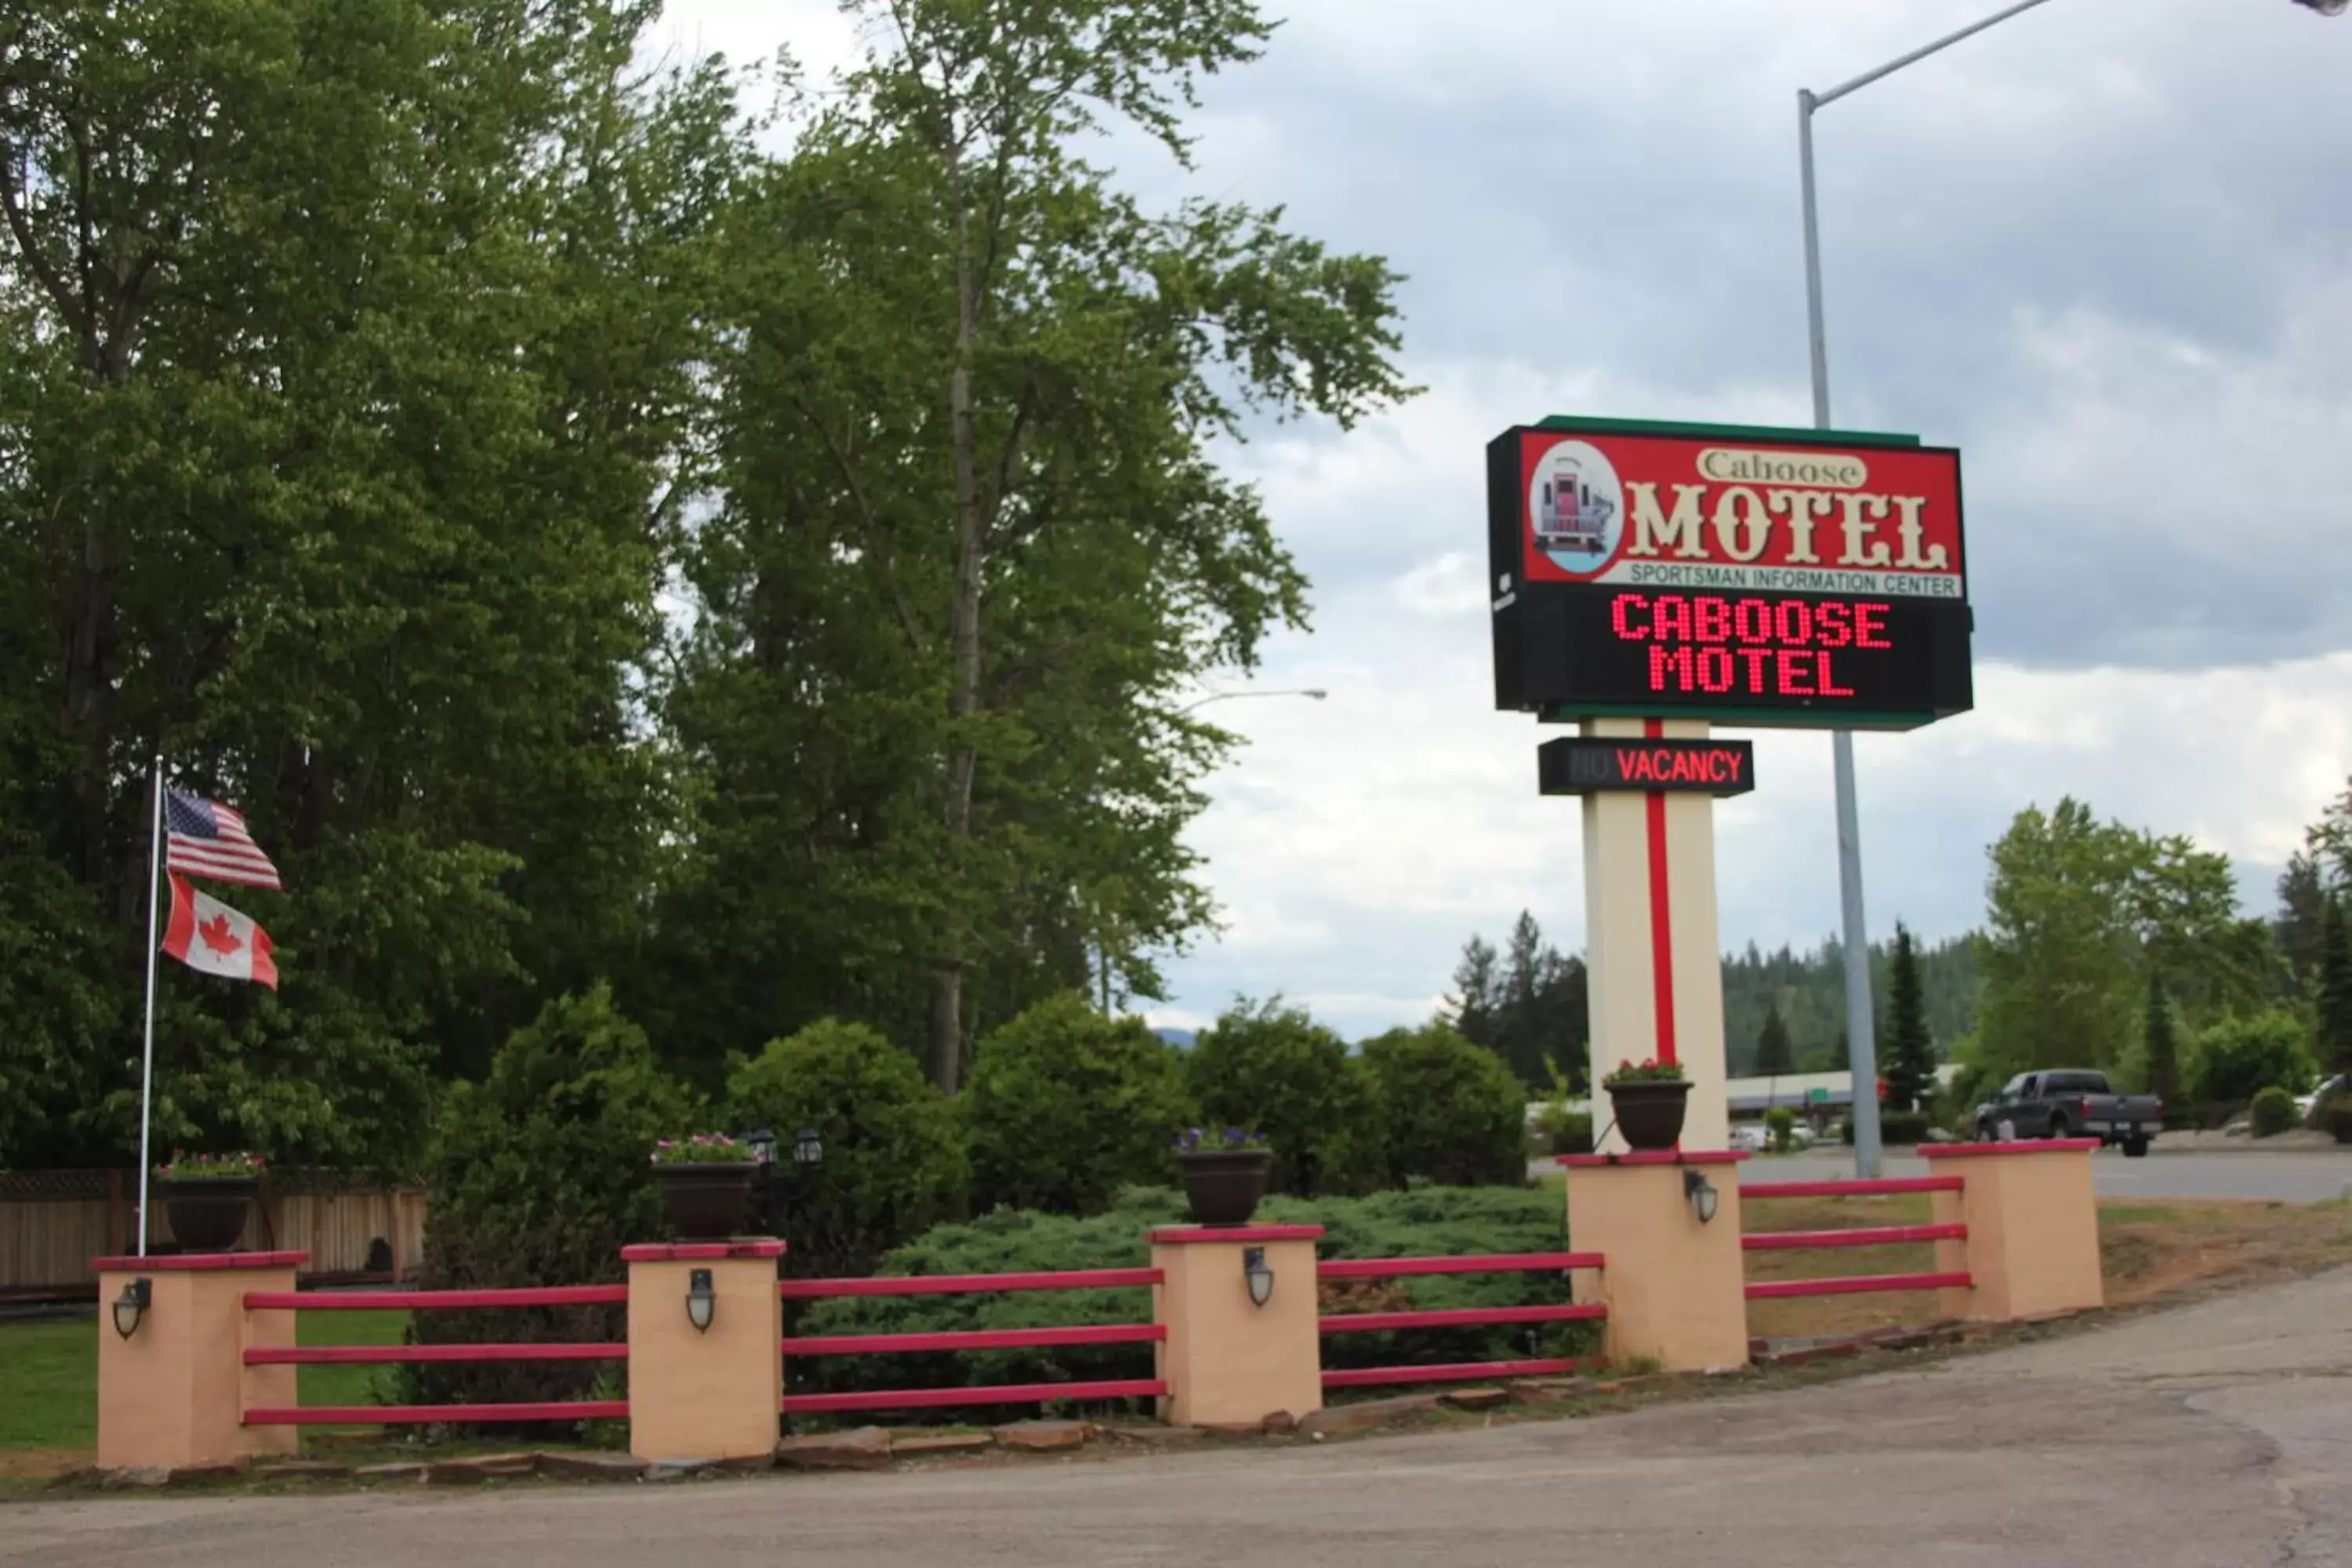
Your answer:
<point x="2148" y="1250"/>
<point x="41" y="1464"/>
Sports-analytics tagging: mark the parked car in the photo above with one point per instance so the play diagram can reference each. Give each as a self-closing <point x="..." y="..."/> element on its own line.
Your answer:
<point x="2304" y="1103"/>
<point x="2070" y="1103"/>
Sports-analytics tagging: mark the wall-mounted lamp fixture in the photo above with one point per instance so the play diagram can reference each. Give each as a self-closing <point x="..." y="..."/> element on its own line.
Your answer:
<point x="1260" y="1277"/>
<point x="701" y="1300"/>
<point x="1701" y="1195"/>
<point x="132" y="1306"/>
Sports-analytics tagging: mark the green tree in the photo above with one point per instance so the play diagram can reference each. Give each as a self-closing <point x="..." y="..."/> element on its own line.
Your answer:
<point x="1056" y="553"/>
<point x="894" y="1164"/>
<point x="1477" y="1003"/>
<point x="2237" y="1058"/>
<point x="347" y="361"/>
<point x="1910" y="1069"/>
<point x="2163" y="1049"/>
<point x="1066" y="1106"/>
<point x="1775" y="1056"/>
<point x="1456" y="1113"/>
<point x="539" y="1175"/>
<point x="2335" y="988"/>
<point x="1272" y="1068"/>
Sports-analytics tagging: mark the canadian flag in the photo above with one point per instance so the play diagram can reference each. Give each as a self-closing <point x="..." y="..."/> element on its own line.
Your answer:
<point x="206" y="934"/>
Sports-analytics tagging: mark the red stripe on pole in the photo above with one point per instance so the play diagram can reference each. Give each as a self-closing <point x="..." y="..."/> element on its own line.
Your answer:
<point x="976" y="1339"/>
<point x="1459" y="1372"/>
<point x="407" y="1414"/>
<point x="1497" y="1263"/>
<point x="425" y="1300"/>
<point x="1662" y="913"/>
<point x="1777" y="1289"/>
<point x="378" y="1355"/>
<point x="1880" y="1186"/>
<point x="1456" y="1317"/>
<point x="951" y="1284"/>
<point x="1885" y="1236"/>
<point x="997" y="1393"/>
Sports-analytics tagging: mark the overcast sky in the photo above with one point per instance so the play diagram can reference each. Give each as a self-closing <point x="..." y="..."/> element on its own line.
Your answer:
<point x="2106" y="249"/>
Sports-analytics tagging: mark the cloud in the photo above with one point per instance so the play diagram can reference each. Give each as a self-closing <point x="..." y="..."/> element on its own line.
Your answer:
<point x="2102" y="248"/>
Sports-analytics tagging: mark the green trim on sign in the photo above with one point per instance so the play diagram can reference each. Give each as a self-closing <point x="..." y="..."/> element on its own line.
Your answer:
<point x="1804" y="436"/>
<point x="1743" y="718"/>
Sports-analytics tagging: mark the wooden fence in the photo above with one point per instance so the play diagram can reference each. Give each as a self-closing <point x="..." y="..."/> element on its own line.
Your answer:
<point x="52" y="1223"/>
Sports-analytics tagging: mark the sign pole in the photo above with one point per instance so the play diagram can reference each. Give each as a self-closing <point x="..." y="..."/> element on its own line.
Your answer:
<point x="147" y="1062"/>
<point x="1862" y="1044"/>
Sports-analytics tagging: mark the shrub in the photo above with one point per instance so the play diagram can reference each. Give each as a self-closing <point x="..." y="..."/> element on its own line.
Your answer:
<point x="539" y="1175"/>
<point x="894" y="1157"/>
<point x="2239" y="1058"/>
<point x="1066" y="1106"/>
<point x="1897" y="1129"/>
<point x="1565" y="1131"/>
<point x="1276" y="1070"/>
<point x="1780" y="1125"/>
<point x="2338" y="1119"/>
<point x="2273" y="1112"/>
<point x="1456" y="1114"/>
<point x="1431" y="1221"/>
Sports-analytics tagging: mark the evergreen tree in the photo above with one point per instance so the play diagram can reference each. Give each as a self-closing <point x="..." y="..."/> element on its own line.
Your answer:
<point x="1775" y="1053"/>
<point x="1910" y="1049"/>
<point x="2335" y="988"/>
<point x="1476" y="1006"/>
<point x="2163" y="1051"/>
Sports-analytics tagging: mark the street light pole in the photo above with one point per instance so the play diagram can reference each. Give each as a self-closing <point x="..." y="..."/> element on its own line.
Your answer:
<point x="1861" y="1019"/>
<point x="1317" y="692"/>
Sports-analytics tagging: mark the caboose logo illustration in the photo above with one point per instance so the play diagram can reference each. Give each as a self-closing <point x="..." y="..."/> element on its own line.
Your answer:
<point x="1576" y="509"/>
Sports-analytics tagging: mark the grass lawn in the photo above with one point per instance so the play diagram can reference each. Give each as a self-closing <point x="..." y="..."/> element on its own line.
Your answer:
<point x="48" y="1375"/>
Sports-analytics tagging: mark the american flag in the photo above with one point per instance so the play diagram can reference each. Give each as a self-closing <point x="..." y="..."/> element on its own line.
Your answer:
<point x="205" y="839"/>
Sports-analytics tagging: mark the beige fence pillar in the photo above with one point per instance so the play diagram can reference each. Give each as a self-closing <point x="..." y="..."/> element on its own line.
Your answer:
<point x="1239" y="1304"/>
<point x="1675" y="1284"/>
<point x="2032" y="1246"/>
<point x="706" y="1349"/>
<point x="172" y="1393"/>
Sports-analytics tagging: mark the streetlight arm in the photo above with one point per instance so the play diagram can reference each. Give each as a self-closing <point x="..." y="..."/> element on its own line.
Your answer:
<point x="1317" y="692"/>
<point x="1817" y="99"/>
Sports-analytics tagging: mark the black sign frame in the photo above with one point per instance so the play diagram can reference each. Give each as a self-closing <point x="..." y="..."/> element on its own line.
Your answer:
<point x="1584" y="764"/>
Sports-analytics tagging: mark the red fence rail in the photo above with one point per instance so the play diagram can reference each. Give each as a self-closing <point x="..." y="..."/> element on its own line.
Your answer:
<point x="411" y="1415"/>
<point x="426" y="1300"/>
<point x="1881" y="1235"/>
<point x="1873" y="1187"/>
<point x="1774" y="1290"/>
<point x="954" y="1284"/>
<point x="972" y="1340"/>
<point x="1451" y="1318"/>
<point x="386" y="1355"/>
<point x="1497" y="1263"/>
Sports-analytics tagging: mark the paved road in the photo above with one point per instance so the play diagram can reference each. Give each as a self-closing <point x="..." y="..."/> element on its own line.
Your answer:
<point x="2207" y="1437"/>
<point x="2300" y="1177"/>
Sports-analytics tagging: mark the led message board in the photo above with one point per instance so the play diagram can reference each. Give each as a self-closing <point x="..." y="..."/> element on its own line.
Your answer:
<point x="1795" y="578"/>
<point x="1582" y="766"/>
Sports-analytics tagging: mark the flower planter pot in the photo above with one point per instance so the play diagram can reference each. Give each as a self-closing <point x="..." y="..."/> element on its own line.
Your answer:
<point x="706" y="1201"/>
<point x="1223" y="1186"/>
<point x="207" y="1213"/>
<point x="1650" y="1114"/>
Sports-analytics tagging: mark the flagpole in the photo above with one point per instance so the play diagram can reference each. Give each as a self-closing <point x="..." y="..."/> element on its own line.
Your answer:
<point x="147" y="1065"/>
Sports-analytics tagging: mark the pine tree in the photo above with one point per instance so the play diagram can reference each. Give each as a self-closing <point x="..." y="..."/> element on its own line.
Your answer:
<point x="1775" y="1053"/>
<point x="1475" y="1006"/>
<point x="2163" y="1051"/>
<point x="1911" y="1050"/>
<point x="2335" y="987"/>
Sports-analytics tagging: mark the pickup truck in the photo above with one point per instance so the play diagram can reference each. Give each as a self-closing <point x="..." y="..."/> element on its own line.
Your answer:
<point x="2067" y="1104"/>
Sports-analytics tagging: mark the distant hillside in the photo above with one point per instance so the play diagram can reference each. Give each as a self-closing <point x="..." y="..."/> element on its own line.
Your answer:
<point x="1182" y="1038"/>
<point x="1810" y="988"/>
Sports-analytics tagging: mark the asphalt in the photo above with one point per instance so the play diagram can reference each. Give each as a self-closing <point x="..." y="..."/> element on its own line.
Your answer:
<point x="2209" y="1436"/>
